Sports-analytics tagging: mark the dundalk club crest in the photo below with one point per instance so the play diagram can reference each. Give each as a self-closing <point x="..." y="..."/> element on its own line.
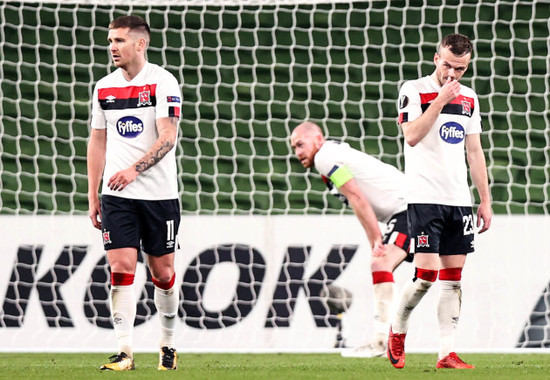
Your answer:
<point x="466" y="108"/>
<point x="422" y="241"/>
<point x="106" y="237"/>
<point x="144" y="98"/>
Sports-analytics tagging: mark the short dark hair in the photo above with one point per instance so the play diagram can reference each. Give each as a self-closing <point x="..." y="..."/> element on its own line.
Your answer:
<point x="133" y="22"/>
<point x="458" y="44"/>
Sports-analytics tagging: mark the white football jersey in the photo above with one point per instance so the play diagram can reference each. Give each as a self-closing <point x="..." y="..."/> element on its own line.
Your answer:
<point x="129" y="109"/>
<point x="381" y="183"/>
<point x="436" y="168"/>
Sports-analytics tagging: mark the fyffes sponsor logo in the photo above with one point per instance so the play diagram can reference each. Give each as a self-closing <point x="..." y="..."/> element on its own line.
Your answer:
<point x="129" y="126"/>
<point x="451" y="132"/>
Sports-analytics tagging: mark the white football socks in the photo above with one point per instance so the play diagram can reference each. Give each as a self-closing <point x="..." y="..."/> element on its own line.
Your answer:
<point x="448" y="312"/>
<point x="412" y="293"/>
<point x="383" y="308"/>
<point x="123" y="312"/>
<point x="166" y="302"/>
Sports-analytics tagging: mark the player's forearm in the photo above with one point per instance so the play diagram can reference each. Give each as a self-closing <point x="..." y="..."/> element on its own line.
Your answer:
<point x="157" y="152"/>
<point x="478" y="167"/>
<point x="478" y="173"/>
<point x="367" y="218"/>
<point x="164" y="144"/>
<point x="363" y="210"/>
<point x="416" y="130"/>
<point x="95" y="171"/>
<point x="93" y="185"/>
<point x="370" y="225"/>
<point x="95" y="163"/>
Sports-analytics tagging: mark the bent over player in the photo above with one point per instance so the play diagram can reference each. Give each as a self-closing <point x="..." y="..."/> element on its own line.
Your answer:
<point x="135" y="117"/>
<point x="440" y="118"/>
<point x="374" y="190"/>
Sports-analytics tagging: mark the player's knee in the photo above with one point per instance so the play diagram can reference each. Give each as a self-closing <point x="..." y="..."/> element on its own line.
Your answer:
<point x="165" y="281"/>
<point x="385" y="263"/>
<point x="426" y="276"/>
<point x="450" y="280"/>
<point x="379" y="264"/>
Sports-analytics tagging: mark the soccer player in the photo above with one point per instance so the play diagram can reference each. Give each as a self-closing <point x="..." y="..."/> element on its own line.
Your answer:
<point x="135" y="117"/>
<point x="440" y="118"/>
<point x="374" y="190"/>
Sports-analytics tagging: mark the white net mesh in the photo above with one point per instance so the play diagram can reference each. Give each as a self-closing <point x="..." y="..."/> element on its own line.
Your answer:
<point x="250" y="72"/>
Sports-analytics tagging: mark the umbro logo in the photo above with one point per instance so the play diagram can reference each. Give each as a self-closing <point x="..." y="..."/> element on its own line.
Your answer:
<point x="110" y="98"/>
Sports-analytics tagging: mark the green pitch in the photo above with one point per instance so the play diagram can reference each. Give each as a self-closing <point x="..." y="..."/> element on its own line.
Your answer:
<point x="272" y="366"/>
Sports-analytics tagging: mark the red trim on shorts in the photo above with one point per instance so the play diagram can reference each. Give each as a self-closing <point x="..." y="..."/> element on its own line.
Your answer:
<point x="165" y="285"/>
<point x="401" y="239"/>
<point x="381" y="276"/>
<point x="450" y="274"/>
<point x="122" y="279"/>
<point x="426" y="274"/>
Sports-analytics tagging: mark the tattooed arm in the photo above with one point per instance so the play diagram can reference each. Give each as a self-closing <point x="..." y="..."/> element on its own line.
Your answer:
<point x="167" y="128"/>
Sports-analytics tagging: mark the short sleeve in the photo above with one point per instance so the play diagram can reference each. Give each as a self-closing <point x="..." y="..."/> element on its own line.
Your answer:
<point x="409" y="106"/>
<point x="474" y="126"/>
<point x="98" y="117"/>
<point x="330" y="161"/>
<point x="168" y="97"/>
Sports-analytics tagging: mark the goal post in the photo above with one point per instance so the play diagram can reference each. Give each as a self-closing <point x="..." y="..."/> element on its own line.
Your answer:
<point x="250" y="71"/>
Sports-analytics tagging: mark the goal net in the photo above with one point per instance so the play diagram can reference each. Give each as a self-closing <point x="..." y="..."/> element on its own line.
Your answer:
<point x="250" y="72"/>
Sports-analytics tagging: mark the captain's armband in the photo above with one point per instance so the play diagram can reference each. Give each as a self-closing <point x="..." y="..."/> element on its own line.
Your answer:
<point x="339" y="175"/>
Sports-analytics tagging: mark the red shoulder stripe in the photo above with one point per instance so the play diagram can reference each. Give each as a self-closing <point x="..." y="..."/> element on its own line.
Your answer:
<point x="461" y="98"/>
<point x="426" y="98"/>
<point x="130" y="92"/>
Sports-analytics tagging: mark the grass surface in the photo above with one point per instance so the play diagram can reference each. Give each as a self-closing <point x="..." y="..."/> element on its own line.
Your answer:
<point x="272" y="366"/>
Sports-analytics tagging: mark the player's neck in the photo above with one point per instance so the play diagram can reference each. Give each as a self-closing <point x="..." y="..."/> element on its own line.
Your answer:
<point x="435" y="79"/>
<point x="131" y="71"/>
